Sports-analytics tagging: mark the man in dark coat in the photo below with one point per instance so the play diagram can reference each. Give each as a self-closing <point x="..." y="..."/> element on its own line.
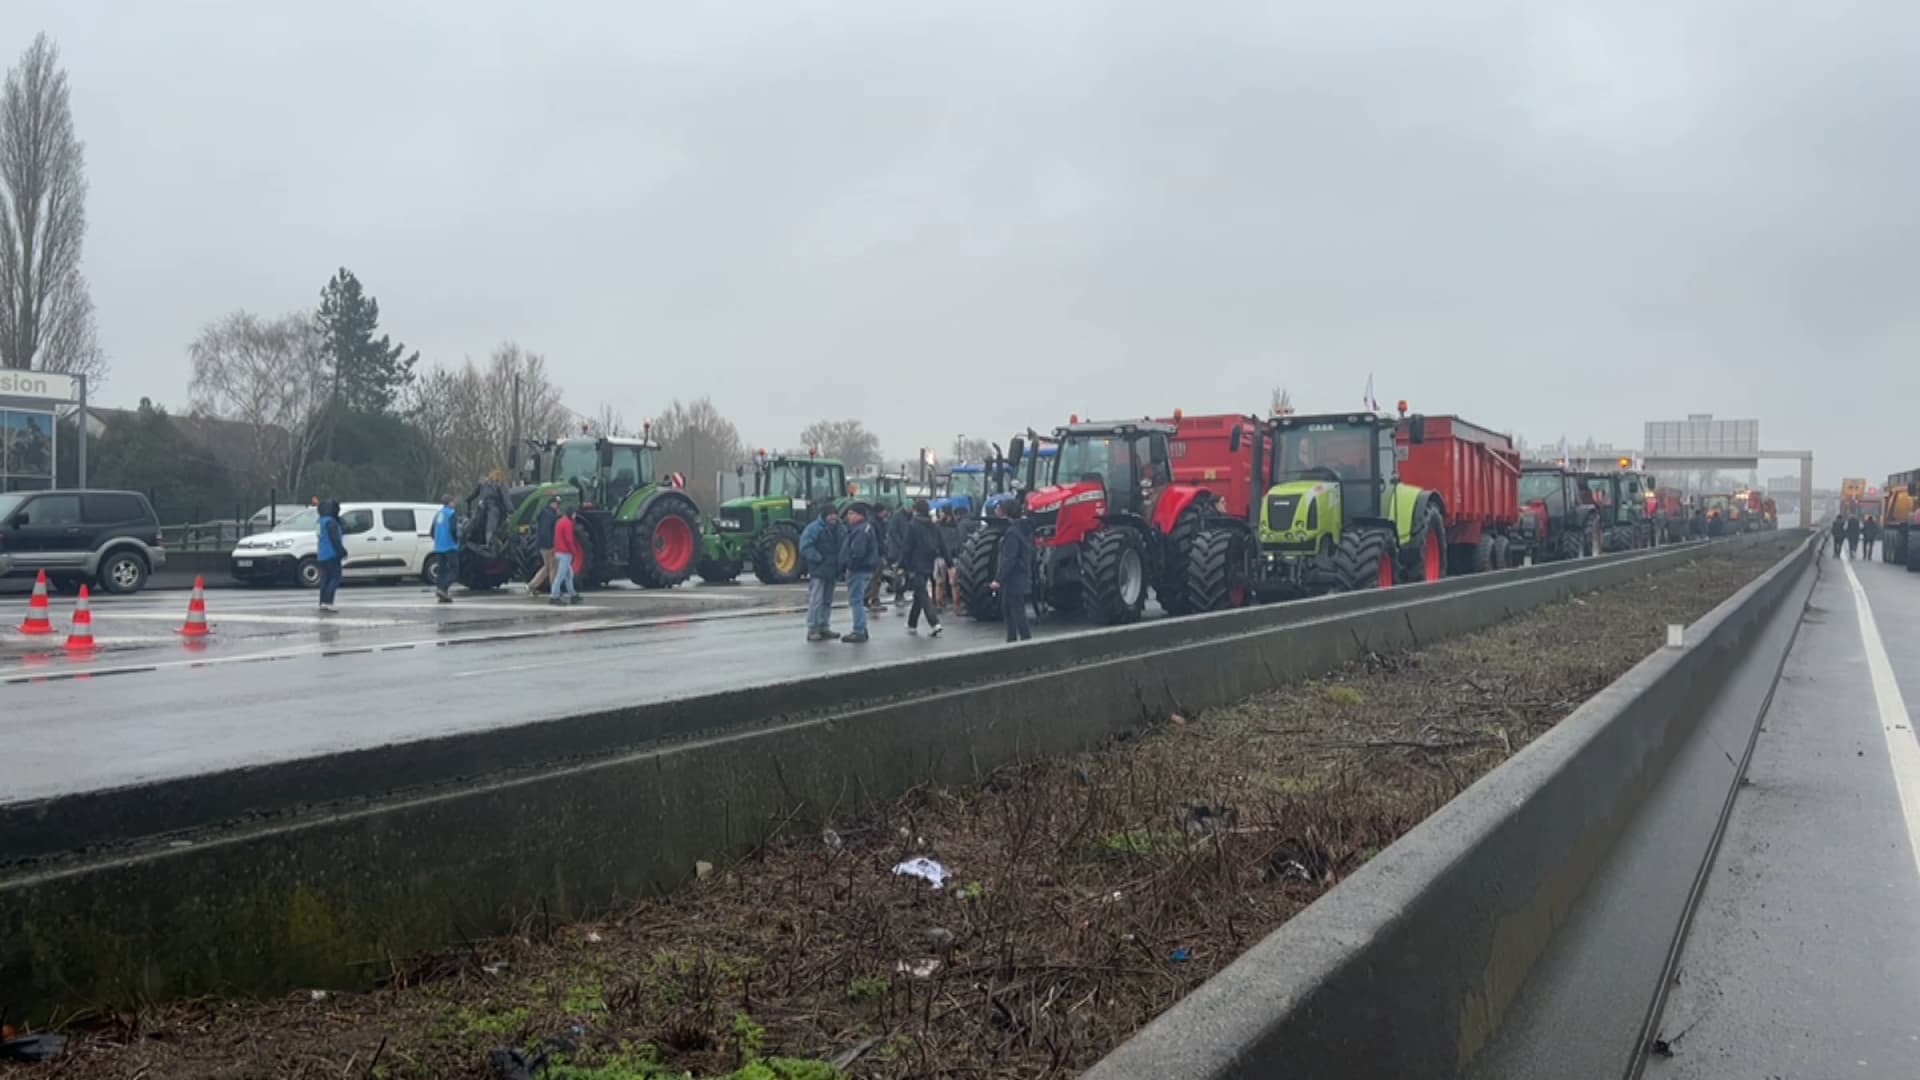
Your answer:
<point x="920" y="551"/>
<point x="1014" y="578"/>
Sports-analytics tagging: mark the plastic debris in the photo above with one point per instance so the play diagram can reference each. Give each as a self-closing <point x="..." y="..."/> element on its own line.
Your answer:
<point x="831" y="839"/>
<point x="594" y="938"/>
<point x="702" y="870"/>
<point x="316" y="995"/>
<point x="33" y="1048"/>
<point x="919" y="969"/>
<point x="494" y="968"/>
<point x="1179" y="956"/>
<point x="925" y="869"/>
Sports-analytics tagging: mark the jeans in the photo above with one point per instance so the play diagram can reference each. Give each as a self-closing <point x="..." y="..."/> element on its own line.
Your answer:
<point x="820" y="602"/>
<point x="1014" y="607"/>
<point x="856" y="587"/>
<point x="563" y="575"/>
<point x="447" y="571"/>
<point x="329" y="580"/>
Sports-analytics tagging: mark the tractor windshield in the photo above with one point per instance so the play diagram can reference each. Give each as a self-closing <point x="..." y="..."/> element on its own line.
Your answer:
<point x="1309" y="448"/>
<point x="787" y="480"/>
<point x="972" y="485"/>
<point x="1097" y="458"/>
<point x="1544" y="488"/>
<point x="576" y="460"/>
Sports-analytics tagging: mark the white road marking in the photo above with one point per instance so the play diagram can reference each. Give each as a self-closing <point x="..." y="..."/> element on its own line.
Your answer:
<point x="1902" y="747"/>
<point x="216" y="618"/>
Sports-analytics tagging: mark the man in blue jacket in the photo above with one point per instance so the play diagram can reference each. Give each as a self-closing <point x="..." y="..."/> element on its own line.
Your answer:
<point x="331" y="555"/>
<point x="820" y="547"/>
<point x="861" y="557"/>
<point x="446" y="547"/>
<point x="1014" y="576"/>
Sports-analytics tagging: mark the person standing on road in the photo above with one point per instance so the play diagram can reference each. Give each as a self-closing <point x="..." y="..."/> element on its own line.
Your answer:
<point x="861" y="557"/>
<point x="1869" y="533"/>
<point x="543" y="527"/>
<point x="895" y="532"/>
<point x="920" y="552"/>
<point x="946" y="574"/>
<point x="820" y="547"/>
<point x="1014" y="576"/>
<point x="878" y="521"/>
<point x="1853" y="537"/>
<point x="331" y="554"/>
<point x="446" y="547"/>
<point x="1839" y="533"/>
<point x="567" y="556"/>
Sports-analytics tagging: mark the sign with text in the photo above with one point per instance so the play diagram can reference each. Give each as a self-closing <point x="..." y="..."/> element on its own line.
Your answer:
<point x="44" y="385"/>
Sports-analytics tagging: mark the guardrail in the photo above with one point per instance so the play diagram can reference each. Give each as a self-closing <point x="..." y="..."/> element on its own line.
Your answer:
<point x="644" y="793"/>
<point x="1527" y="928"/>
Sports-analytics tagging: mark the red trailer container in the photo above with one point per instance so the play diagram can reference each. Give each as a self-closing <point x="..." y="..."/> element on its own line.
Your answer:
<point x="1203" y="453"/>
<point x="1476" y="473"/>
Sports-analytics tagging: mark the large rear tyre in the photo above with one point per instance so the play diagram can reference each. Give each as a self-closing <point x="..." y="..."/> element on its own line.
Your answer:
<point x="664" y="544"/>
<point x="1113" y="576"/>
<point x="1217" y="571"/>
<point x="1425" y="557"/>
<point x="1364" y="559"/>
<point x="1483" y="554"/>
<point x="978" y="565"/>
<point x="1502" y="553"/>
<point x="776" y="554"/>
<point x="1176" y="552"/>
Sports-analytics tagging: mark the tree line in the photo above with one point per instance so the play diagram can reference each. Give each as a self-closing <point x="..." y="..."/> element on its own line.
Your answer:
<point x="302" y="403"/>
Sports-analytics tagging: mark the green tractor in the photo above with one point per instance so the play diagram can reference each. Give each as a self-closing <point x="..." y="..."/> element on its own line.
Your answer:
<point x="881" y="489"/>
<point x="1335" y="517"/>
<point x="763" y="529"/>
<point x="633" y="523"/>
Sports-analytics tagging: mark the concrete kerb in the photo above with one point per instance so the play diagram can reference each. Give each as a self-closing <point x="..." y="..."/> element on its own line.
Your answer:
<point x="92" y="820"/>
<point x="323" y="894"/>
<point x="1411" y="966"/>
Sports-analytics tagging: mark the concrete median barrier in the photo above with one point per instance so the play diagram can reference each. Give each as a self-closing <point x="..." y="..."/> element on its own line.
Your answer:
<point x="329" y="895"/>
<point x="1526" y="929"/>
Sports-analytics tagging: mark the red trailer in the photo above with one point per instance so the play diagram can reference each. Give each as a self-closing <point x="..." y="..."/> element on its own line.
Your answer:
<point x="1206" y="453"/>
<point x="1476" y="473"/>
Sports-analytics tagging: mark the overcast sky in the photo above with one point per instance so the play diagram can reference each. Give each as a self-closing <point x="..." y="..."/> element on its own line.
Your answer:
<point x="1549" y="216"/>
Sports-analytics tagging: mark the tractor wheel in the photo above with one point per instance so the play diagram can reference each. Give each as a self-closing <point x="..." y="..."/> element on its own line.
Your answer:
<point x="665" y="544"/>
<point x="1113" y="576"/>
<point x="776" y="554"/>
<point x="1502" y="549"/>
<point x="1617" y="539"/>
<point x="979" y="562"/>
<point x="527" y="563"/>
<point x="718" y="571"/>
<point x="1176" y="551"/>
<point x="1483" y="554"/>
<point x="1217" y="576"/>
<point x="592" y="571"/>
<point x="1364" y="559"/>
<point x="1573" y="545"/>
<point x="1425" y="557"/>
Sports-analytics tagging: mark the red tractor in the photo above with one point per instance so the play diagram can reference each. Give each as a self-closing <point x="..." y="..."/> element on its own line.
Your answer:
<point x="1128" y="500"/>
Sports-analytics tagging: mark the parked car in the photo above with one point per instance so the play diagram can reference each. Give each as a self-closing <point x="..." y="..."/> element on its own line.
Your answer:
<point x="110" y="539"/>
<point x="384" y="540"/>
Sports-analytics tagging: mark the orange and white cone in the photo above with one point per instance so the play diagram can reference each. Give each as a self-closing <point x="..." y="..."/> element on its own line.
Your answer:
<point x="39" y="615"/>
<point x="197" y="611"/>
<point x="80" y="638"/>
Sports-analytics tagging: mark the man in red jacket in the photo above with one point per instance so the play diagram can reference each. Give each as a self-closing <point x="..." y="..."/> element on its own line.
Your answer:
<point x="567" y="556"/>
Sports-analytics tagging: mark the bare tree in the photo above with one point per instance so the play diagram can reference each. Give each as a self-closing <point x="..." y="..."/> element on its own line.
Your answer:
<point x="970" y="449"/>
<point x="697" y="441"/>
<point x="46" y="313"/>
<point x="271" y="376"/>
<point x="468" y="417"/>
<point x="848" y="440"/>
<point x="610" y="421"/>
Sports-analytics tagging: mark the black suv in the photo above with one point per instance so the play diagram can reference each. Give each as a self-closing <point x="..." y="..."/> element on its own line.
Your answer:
<point x="109" y="538"/>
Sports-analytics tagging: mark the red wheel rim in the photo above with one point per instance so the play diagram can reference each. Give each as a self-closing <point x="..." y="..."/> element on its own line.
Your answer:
<point x="1386" y="571"/>
<point x="1433" y="556"/>
<point x="672" y="544"/>
<point x="1237" y="596"/>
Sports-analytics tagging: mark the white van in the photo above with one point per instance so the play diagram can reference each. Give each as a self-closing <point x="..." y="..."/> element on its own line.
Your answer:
<point x="384" y="540"/>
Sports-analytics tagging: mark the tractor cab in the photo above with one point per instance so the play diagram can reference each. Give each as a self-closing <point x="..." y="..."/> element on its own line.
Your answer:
<point x="603" y="471"/>
<point x="802" y="482"/>
<point x="881" y="489"/>
<point x="762" y="530"/>
<point x="1326" y="470"/>
<point x="1101" y="470"/>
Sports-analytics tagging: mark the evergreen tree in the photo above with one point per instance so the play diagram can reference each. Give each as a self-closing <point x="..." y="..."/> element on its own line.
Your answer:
<point x="368" y="373"/>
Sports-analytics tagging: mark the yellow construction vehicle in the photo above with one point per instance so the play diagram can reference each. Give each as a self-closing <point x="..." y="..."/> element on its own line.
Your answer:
<point x="1897" y="504"/>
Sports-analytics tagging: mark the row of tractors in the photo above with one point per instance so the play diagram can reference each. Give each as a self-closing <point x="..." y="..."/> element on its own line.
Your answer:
<point x="1201" y="512"/>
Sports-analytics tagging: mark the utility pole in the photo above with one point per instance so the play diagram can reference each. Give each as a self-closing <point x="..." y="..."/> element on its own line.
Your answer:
<point x="513" y="444"/>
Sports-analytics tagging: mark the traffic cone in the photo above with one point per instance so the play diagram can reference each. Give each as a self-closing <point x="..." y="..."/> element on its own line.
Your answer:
<point x="38" y="614"/>
<point x="197" y="611"/>
<point x="80" y="638"/>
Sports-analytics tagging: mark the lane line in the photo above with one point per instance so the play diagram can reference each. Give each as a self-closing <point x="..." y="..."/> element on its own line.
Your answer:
<point x="1903" y="749"/>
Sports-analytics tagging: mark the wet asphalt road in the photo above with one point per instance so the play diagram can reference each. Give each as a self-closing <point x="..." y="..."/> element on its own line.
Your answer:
<point x="280" y="682"/>
<point x="1804" y="957"/>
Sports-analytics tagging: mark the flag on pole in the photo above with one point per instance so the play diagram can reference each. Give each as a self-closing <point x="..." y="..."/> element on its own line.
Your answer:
<point x="1368" y="401"/>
